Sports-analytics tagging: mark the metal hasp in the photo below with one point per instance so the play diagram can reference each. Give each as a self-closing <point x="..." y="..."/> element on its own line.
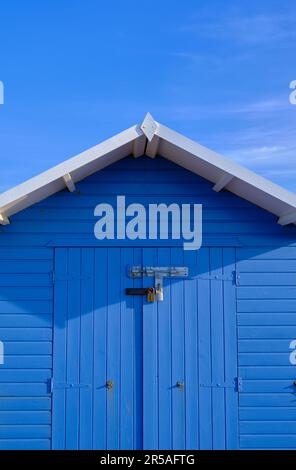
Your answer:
<point x="148" y="291"/>
<point x="158" y="273"/>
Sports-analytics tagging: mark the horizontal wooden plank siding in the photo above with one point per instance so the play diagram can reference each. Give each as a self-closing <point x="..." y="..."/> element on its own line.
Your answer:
<point x="144" y="181"/>
<point x="26" y="313"/>
<point x="266" y="313"/>
<point x="265" y="302"/>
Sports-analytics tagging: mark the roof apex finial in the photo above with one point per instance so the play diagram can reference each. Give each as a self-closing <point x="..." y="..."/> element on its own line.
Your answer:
<point x="149" y="126"/>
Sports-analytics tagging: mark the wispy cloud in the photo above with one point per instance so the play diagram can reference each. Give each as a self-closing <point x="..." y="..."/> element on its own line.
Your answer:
<point x="262" y="152"/>
<point x="215" y="60"/>
<point x="267" y="106"/>
<point x="269" y="151"/>
<point x="260" y="109"/>
<point x="253" y="30"/>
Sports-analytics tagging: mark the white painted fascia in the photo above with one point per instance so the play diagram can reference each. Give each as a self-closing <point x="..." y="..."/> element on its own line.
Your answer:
<point x="51" y="181"/>
<point x="152" y="138"/>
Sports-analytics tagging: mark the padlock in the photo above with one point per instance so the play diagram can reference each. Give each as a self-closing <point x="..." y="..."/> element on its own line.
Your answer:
<point x="151" y="294"/>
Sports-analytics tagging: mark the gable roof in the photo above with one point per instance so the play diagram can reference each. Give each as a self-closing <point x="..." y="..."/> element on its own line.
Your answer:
<point x="152" y="138"/>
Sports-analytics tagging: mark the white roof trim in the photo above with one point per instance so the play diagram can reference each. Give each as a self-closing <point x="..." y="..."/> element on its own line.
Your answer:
<point x="69" y="183"/>
<point x="4" y="220"/>
<point x="152" y="147"/>
<point x="149" y="127"/>
<point x="289" y="218"/>
<point x="152" y="138"/>
<point x="222" y="182"/>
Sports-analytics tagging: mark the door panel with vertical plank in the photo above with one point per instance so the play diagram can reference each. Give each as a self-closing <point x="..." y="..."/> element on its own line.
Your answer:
<point x="133" y="374"/>
<point x="190" y="358"/>
<point x="97" y="332"/>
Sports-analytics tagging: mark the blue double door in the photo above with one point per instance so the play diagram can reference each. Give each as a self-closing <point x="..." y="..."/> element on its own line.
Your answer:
<point x="130" y="374"/>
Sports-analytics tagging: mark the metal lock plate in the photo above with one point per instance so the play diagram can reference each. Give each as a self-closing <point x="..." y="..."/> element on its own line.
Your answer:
<point x="158" y="273"/>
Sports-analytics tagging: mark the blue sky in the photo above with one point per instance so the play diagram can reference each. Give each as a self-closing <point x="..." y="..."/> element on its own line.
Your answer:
<point x="77" y="72"/>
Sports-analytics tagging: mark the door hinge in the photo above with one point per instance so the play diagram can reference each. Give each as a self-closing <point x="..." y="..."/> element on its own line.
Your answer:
<point x="236" y="384"/>
<point x="52" y="385"/>
<point x="219" y="277"/>
<point x="239" y="384"/>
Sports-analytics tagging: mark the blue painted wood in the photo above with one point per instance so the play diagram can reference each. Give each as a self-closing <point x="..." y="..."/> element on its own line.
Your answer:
<point x="86" y="365"/>
<point x="267" y="326"/>
<point x="217" y="349"/>
<point x="150" y="362"/>
<point x="23" y="389"/>
<point x="25" y="432"/>
<point x="89" y="241"/>
<point x="27" y="362"/>
<point x="263" y="345"/>
<point x="113" y="348"/>
<point x="266" y="294"/>
<point x="60" y="350"/>
<point x="165" y="357"/>
<point x="127" y="344"/>
<point x="268" y="306"/>
<point x="100" y="316"/>
<point x="26" y="293"/>
<point x="268" y="441"/>
<point x="10" y="376"/>
<point x="138" y="357"/>
<point x="285" y="252"/>
<point x="63" y="212"/>
<point x="86" y="227"/>
<point x="25" y="417"/>
<point x="25" y="320"/>
<point x="204" y="347"/>
<point x="28" y="347"/>
<point x="265" y="279"/>
<point x="262" y="386"/>
<point x="21" y="253"/>
<point x="25" y="403"/>
<point x="230" y="345"/>
<point x="73" y="349"/>
<point x="23" y="334"/>
<point x="267" y="399"/>
<point x="209" y="239"/>
<point x="191" y="335"/>
<point x="267" y="427"/>
<point x="267" y="332"/>
<point x="24" y="444"/>
<point x="268" y="413"/>
<point x="276" y="372"/>
<point x="103" y="418"/>
<point x="267" y="266"/>
<point x="26" y="306"/>
<point x="268" y="319"/>
<point x="178" y="354"/>
<point x="26" y="266"/>
<point x="23" y="280"/>
<point x="267" y="359"/>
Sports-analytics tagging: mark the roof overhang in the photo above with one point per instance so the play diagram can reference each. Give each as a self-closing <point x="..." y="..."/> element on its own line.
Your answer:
<point x="152" y="138"/>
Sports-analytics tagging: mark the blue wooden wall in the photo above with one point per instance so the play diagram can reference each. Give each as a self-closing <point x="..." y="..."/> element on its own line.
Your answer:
<point x="266" y="296"/>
